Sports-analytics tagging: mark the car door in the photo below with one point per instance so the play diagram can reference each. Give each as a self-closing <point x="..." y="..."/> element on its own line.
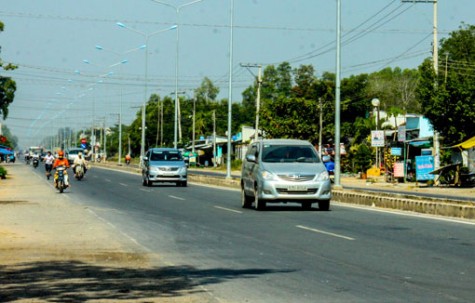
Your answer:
<point x="249" y="167"/>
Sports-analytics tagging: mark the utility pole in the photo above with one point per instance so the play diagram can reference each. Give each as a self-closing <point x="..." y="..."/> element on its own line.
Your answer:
<point x="193" y="135"/>
<point x="320" y="128"/>
<point x="214" y="138"/>
<point x="258" y="97"/>
<point x="435" y="59"/>
<point x="158" y="122"/>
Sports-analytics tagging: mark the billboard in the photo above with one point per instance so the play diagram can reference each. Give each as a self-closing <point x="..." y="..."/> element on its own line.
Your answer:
<point x="424" y="165"/>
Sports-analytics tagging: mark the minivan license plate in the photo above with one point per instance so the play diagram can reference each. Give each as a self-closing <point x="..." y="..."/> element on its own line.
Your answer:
<point x="297" y="188"/>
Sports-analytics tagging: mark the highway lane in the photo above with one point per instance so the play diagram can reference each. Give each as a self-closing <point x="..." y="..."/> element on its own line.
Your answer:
<point x="285" y="254"/>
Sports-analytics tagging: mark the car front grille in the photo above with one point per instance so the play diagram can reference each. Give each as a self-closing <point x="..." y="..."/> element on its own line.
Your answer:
<point x="285" y="191"/>
<point x="168" y="168"/>
<point x="297" y="177"/>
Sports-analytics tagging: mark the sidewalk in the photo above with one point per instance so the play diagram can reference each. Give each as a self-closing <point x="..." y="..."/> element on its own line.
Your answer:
<point x="53" y="249"/>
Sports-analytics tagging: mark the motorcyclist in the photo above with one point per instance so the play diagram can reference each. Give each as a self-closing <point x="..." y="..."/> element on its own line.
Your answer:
<point x="48" y="159"/>
<point x="61" y="161"/>
<point x="127" y="159"/>
<point x="36" y="158"/>
<point x="80" y="161"/>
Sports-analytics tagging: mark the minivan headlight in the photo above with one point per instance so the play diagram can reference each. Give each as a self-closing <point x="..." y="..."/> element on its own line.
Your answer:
<point x="323" y="176"/>
<point x="182" y="170"/>
<point x="267" y="175"/>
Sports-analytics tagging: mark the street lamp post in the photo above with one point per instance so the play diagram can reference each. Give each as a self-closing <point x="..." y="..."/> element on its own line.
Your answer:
<point x="147" y="37"/>
<point x="99" y="47"/>
<point x="124" y="61"/>
<point x="177" y="11"/>
<point x="375" y="102"/>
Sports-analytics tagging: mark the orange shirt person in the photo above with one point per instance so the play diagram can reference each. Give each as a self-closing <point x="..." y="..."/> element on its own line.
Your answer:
<point x="61" y="161"/>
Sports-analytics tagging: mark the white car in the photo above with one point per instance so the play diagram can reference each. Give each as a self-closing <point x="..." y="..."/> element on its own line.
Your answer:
<point x="164" y="165"/>
<point x="72" y="154"/>
<point x="284" y="170"/>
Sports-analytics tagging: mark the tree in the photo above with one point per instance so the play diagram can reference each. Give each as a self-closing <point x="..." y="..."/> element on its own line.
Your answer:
<point x="448" y="98"/>
<point x="395" y="88"/>
<point x="7" y="86"/>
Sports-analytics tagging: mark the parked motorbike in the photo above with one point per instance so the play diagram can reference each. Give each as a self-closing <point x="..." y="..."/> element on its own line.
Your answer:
<point x="60" y="178"/>
<point x="79" y="172"/>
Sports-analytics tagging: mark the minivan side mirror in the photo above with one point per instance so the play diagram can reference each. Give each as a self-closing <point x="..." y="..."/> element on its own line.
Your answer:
<point x="251" y="158"/>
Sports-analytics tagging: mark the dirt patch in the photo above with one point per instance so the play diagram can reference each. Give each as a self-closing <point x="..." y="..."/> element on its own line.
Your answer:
<point x="53" y="250"/>
<point x="3" y="202"/>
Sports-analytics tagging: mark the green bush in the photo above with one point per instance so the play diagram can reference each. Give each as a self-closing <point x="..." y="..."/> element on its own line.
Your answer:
<point x="362" y="158"/>
<point x="3" y="172"/>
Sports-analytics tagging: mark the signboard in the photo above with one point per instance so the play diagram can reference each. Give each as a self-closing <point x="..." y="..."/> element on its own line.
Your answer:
<point x="398" y="170"/>
<point x="377" y="138"/>
<point x="401" y="133"/>
<point x="396" y="151"/>
<point x="424" y="165"/>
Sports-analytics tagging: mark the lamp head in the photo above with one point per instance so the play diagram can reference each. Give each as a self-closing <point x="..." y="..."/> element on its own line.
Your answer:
<point x="375" y="102"/>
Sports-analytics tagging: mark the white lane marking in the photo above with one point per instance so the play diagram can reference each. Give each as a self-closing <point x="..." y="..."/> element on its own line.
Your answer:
<point x="228" y="209"/>
<point x="325" y="232"/>
<point x="108" y="180"/>
<point x="178" y="198"/>
<point x="121" y="232"/>
<point x="145" y="190"/>
<point x="123" y="184"/>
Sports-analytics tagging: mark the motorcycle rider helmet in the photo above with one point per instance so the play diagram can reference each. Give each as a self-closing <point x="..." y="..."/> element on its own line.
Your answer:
<point x="60" y="154"/>
<point x="79" y="154"/>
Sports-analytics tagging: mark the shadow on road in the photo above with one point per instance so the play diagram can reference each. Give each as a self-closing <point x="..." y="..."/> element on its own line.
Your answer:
<point x="76" y="281"/>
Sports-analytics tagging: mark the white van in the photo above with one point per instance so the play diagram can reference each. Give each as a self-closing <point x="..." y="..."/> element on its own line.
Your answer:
<point x="284" y="170"/>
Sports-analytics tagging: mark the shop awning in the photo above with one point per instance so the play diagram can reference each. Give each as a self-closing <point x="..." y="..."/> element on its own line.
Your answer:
<point x="466" y="144"/>
<point x="5" y="151"/>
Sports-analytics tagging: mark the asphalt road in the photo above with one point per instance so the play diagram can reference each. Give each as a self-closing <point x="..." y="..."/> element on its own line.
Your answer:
<point x="285" y="254"/>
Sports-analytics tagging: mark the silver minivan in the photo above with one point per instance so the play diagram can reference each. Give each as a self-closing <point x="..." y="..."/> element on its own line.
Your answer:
<point x="284" y="170"/>
<point x="164" y="165"/>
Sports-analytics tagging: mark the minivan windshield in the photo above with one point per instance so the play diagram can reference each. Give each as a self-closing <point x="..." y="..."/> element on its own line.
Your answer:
<point x="165" y="155"/>
<point x="289" y="154"/>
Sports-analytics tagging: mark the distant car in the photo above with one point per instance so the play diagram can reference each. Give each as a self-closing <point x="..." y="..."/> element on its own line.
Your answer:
<point x="284" y="170"/>
<point x="72" y="154"/>
<point x="164" y="165"/>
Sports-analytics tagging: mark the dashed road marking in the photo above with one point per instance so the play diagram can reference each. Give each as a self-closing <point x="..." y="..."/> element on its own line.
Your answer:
<point x="325" y="232"/>
<point x="228" y="209"/>
<point x="178" y="198"/>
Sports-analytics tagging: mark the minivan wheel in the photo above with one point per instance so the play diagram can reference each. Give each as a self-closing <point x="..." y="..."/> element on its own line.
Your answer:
<point x="144" y="182"/>
<point x="246" y="201"/>
<point x="306" y="205"/>
<point x="324" y="205"/>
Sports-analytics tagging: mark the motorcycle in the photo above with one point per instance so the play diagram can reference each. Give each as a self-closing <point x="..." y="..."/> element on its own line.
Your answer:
<point x="79" y="172"/>
<point x="36" y="161"/>
<point x="60" y="180"/>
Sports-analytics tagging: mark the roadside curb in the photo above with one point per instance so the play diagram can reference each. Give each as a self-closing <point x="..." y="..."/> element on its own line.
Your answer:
<point x="440" y="207"/>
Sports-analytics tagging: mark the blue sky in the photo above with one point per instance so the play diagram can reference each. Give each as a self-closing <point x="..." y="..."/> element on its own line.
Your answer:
<point x="50" y="39"/>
